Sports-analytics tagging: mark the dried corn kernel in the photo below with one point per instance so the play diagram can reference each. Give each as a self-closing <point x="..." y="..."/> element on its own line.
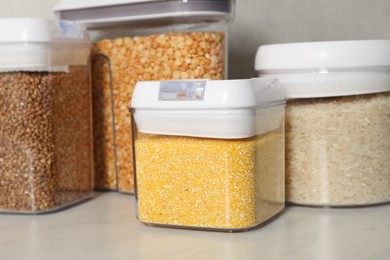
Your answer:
<point x="209" y="183"/>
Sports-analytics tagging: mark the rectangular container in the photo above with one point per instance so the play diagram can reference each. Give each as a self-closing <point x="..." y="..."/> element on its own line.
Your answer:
<point x="45" y="115"/>
<point x="208" y="154"/>
<point x="337" y="119"/>
<point x="143" y="40"/>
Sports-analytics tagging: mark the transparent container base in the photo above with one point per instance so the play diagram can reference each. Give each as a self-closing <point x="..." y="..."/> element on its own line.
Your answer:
<point x="340" y="205"/>
<point x="125" y="192"/>
<point x="52" y="210"/>
<point x="226" y="230"/>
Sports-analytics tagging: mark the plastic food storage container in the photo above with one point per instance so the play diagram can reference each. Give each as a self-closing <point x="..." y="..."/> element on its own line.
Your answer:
<point x="45" y="115"/>
<point x="337" y="119"/>
<point x="144" y="40"/>
<point x="208" y="154"/>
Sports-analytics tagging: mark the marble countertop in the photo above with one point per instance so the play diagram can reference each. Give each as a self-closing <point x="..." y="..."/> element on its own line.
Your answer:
<point x="105" y="227"/>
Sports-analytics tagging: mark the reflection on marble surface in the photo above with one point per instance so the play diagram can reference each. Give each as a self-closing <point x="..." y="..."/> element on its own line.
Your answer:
<point x="106" y="228"/>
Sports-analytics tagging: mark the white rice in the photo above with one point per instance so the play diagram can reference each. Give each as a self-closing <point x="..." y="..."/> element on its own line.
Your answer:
<point x="338" y="150"/>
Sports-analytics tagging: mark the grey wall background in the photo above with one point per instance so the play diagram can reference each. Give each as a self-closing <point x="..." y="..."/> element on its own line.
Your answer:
<point x="280" y="21"/>
<point x="261" y="22"/>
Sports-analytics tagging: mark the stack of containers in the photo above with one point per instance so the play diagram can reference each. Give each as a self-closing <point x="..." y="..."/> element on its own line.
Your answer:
<point x="45" y="115"/>
<point x="337" y="119"/>
<point x="144" y="40"/>
<point x="209" y="154"/>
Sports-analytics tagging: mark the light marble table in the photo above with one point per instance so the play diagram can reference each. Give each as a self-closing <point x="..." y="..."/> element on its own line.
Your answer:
<point x="105" y="227"/>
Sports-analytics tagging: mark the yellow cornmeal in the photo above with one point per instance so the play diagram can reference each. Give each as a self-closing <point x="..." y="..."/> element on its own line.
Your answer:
<point x="209" y="183"/>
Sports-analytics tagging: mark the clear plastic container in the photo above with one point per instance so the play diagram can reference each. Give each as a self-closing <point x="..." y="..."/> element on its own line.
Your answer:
<point x="144" y="40"/>
<point x="45" y="115"/>
<point x="208" y="154"/>
<point x="337" y="119"/>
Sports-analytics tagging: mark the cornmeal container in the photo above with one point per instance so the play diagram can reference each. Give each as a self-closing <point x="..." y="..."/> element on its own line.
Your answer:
<point x="208" y="154"/>
<point x="136" y="40"/>
<point x="46" y="161"/>
<point x="337" y="119"/>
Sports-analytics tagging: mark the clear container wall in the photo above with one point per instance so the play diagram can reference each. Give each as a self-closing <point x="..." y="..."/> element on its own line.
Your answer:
<point x="338" y="150"/>
<point x="105" y="167"/>
<point x="212" y="184"/>
<point x="45" y="139"/>
<point x="176" y="51"/>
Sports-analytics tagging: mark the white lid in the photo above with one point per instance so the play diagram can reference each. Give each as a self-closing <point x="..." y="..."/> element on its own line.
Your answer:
<point x="322" y="69"/>
<point x="205" y="108"/>
<point x="37" y="30"/>
<point x="97" y="13"/>
<point x="41" y="44"/>
<point x="193" y="94"/>
<point x="323" y="55"/>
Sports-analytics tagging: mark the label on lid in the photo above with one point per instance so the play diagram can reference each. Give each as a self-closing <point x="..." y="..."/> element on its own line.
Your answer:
<point x="70" y="29"/>
<point x="182" y="90"/>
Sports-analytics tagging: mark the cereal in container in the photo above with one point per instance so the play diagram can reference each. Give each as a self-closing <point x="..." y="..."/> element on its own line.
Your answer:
<point x="337" y="119"/>
<point x="208" y="154"/>
<point x="46" y="156"/>
<point x="137" y="41"/>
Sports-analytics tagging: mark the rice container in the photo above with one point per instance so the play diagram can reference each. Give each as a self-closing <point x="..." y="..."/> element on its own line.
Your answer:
<point x="337" y="119"/>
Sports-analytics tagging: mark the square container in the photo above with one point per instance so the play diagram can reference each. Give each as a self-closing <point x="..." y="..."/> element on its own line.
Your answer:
<point x="138" y="40"/>
<point x="208" y="154"/>
<point x="45" y="115"/>
<point x="337" y="119"/>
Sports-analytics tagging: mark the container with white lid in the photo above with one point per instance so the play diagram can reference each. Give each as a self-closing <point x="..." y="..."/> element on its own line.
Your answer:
<point x="208" y="154"/>
<point x="138" y="40"/>
<point x="337" y="119"/>
<point x="46" y="117"/>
